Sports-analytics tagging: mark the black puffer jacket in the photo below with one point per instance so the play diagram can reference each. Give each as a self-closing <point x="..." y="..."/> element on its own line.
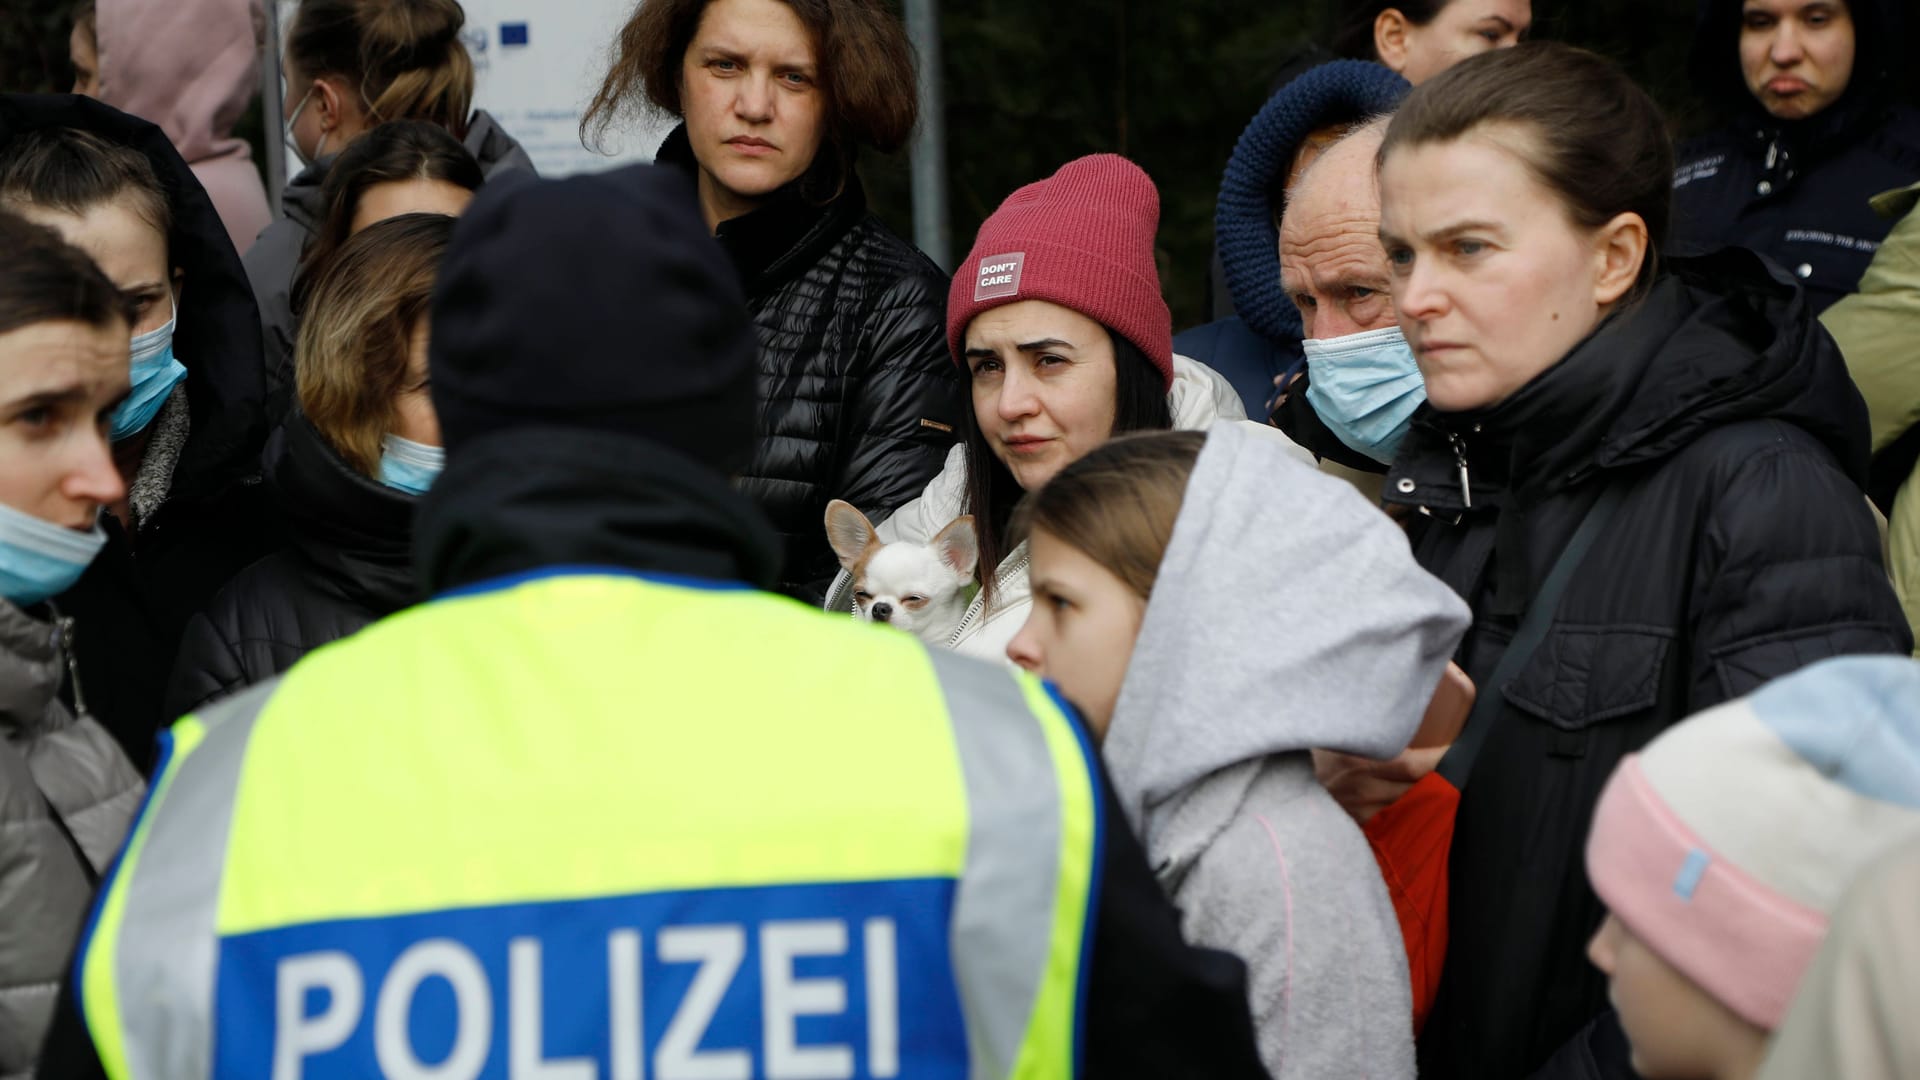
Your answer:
<point x="1796" y="191"/>
<point x="200" y="512"/>
<point x="859" y="397"/>
<point x="1743" y="550"/>
<point x="345" y="566"/>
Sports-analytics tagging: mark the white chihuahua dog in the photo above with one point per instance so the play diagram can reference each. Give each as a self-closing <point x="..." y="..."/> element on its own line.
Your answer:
<point x="919" y="588"/>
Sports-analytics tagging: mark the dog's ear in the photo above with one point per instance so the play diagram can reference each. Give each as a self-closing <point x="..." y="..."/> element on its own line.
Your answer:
<point x="849" y="533"/>
<point x="959" y="545"/>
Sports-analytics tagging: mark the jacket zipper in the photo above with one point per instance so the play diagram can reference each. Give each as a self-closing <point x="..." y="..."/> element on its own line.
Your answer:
<point x="1460" y="459"/>
<point x="63" y="639"/>
<point x="979" y="604"/>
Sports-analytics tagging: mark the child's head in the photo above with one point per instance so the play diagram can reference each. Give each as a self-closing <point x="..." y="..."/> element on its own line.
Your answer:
<point x="1098" y="531"/>
<point x="1722" y="848"/>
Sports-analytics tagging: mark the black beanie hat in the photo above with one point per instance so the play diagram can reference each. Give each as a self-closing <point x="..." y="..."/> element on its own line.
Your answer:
<point x="597" y="302"/>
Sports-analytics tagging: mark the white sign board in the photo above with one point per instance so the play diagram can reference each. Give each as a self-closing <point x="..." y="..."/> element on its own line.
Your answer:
<point x="536" y="66"/>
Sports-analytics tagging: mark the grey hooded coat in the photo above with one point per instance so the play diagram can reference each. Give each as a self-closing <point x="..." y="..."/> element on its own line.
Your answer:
<point x="1288" y="614"/>
<point x="67" y="796"/>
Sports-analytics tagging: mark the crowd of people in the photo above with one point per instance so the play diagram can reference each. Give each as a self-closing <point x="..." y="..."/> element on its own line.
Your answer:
<point x="657" y="622"/>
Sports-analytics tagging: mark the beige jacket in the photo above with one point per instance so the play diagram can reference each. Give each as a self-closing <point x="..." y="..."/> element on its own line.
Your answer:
<point x="1877" y="329"/>
<point x="1855" y="1016"/>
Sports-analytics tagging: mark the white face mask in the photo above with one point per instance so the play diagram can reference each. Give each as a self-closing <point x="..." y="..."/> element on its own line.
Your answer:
<point x="293" y="142"/>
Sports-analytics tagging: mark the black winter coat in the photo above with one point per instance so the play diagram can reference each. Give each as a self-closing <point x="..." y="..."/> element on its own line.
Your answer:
<point x="1743" y="550"/>
<point x="1795" y="191"/>
<point x="859" y="397"/>
<point x="347" y="564"/>
<point x="202" y="513"/>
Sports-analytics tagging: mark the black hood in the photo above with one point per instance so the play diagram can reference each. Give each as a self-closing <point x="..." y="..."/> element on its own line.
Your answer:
<point x="533" y="498"/>
<point x="1714" y="67"/>
<point x="1719" y="340"/>
<point x="218" y="334"/>
<point x="783" y="238"/>
<point x="359" y="531"/>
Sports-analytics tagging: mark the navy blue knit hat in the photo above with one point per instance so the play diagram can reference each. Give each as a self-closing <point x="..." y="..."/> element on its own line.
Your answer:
<point x="596" y="302"/>
<point x="1338" y="92"/>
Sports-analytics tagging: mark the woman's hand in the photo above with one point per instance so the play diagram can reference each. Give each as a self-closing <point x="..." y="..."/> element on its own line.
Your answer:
<point x="1363" y="787"/>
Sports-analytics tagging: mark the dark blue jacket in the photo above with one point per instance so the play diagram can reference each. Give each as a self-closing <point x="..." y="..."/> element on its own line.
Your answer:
<point x="1796" y="191"/>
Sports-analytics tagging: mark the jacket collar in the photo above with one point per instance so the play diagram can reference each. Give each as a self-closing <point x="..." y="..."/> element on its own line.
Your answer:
<point x="525" y="499"/>
<point x="356" y="528"/>
<point x="791" y="231"/>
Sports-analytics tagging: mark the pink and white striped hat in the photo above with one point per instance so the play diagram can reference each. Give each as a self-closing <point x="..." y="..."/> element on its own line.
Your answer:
<point x="1725" y="845"/>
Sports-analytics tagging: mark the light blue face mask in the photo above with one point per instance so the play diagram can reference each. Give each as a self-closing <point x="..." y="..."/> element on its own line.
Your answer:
<point x="1365" y="388"/>
<point x="39" y="559"/>
<point x="155" y="373"/>
<point x="410" y="466"/>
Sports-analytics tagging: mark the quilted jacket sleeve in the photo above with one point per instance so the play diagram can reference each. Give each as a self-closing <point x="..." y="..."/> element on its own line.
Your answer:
<point x="905" y="412"/>
<point x="1790" y="573"/>
<point x="43" y="900"/>
<point x="207" y="668"/>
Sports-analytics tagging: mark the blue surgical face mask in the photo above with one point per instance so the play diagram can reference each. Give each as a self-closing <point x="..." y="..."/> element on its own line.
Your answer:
<point x="155" y="373"/>
<point x="410" y="466"/>
<point x="39" y="559"/>
<point x="1365" y="388"/>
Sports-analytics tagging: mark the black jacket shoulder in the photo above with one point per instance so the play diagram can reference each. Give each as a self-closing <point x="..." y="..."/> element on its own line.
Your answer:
<point x="860" y="397"/>
<point x="347" y="563"/>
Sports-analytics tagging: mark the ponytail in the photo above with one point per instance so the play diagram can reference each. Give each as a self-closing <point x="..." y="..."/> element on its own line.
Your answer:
<point x="405" y="56"/>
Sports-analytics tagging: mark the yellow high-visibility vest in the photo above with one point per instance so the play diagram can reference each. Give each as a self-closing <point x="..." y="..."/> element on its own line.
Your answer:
<point x="590" y="825"/>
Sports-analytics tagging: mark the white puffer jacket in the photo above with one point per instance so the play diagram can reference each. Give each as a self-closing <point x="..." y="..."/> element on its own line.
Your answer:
<point x="1199" y="396"/>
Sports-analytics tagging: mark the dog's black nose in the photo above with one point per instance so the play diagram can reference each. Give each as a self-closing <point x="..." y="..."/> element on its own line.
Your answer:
<point x="882" y="612"/>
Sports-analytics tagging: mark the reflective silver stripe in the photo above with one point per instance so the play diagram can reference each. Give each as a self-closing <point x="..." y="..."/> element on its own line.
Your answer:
<point x="1003" y="911"/>
<point x="163" y="964"/>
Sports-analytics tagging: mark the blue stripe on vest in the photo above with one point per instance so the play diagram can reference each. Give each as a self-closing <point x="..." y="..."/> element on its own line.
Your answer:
<point x="850" y="980"/>
<point x="526" y="577"/>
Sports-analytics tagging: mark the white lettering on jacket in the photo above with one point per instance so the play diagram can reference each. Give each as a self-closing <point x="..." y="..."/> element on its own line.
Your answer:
<point x="785" y="998"/>
<point x="998" y="276"/>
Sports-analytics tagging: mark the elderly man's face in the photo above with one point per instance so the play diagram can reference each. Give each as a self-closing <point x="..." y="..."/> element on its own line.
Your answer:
<point x="1331" y="263"/>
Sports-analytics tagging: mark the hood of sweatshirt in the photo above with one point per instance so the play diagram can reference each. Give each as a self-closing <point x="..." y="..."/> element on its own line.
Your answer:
<point x="1339" y="92"/>
<point x="218" y="338"/>
<point x="1288" y="615"/>
<point x="190" y="66"/>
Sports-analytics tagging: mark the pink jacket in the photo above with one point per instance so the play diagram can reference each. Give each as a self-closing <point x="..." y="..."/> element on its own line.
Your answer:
<point x="192" y="67"/>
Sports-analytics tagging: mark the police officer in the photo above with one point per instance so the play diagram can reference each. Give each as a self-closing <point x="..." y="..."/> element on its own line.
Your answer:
<point x="603" y="809"/>
<point x="1811" y="130"/>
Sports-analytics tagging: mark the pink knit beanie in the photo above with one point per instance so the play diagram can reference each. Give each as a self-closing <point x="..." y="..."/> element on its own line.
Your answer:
<point x="1726" y="843"/>
<point x="1082" y="238"/>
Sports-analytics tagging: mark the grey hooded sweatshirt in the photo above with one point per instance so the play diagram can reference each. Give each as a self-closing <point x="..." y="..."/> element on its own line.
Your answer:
<point x="1288" y="614"/>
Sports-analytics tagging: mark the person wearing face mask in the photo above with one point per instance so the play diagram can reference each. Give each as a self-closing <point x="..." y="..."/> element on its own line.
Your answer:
<point x="1811" y="130"/>
<point x="188" y="437"/>
<point x="347" y="469"/>
<point x="351" y="65"/>
<point x="1178" y="580"/>
<point x="777" y="100"/>
<point x="1257" y="347"/>
<point x="1361" y="385"/>
<point x="1643" y="473"/>
<point x="67" y="792"/>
